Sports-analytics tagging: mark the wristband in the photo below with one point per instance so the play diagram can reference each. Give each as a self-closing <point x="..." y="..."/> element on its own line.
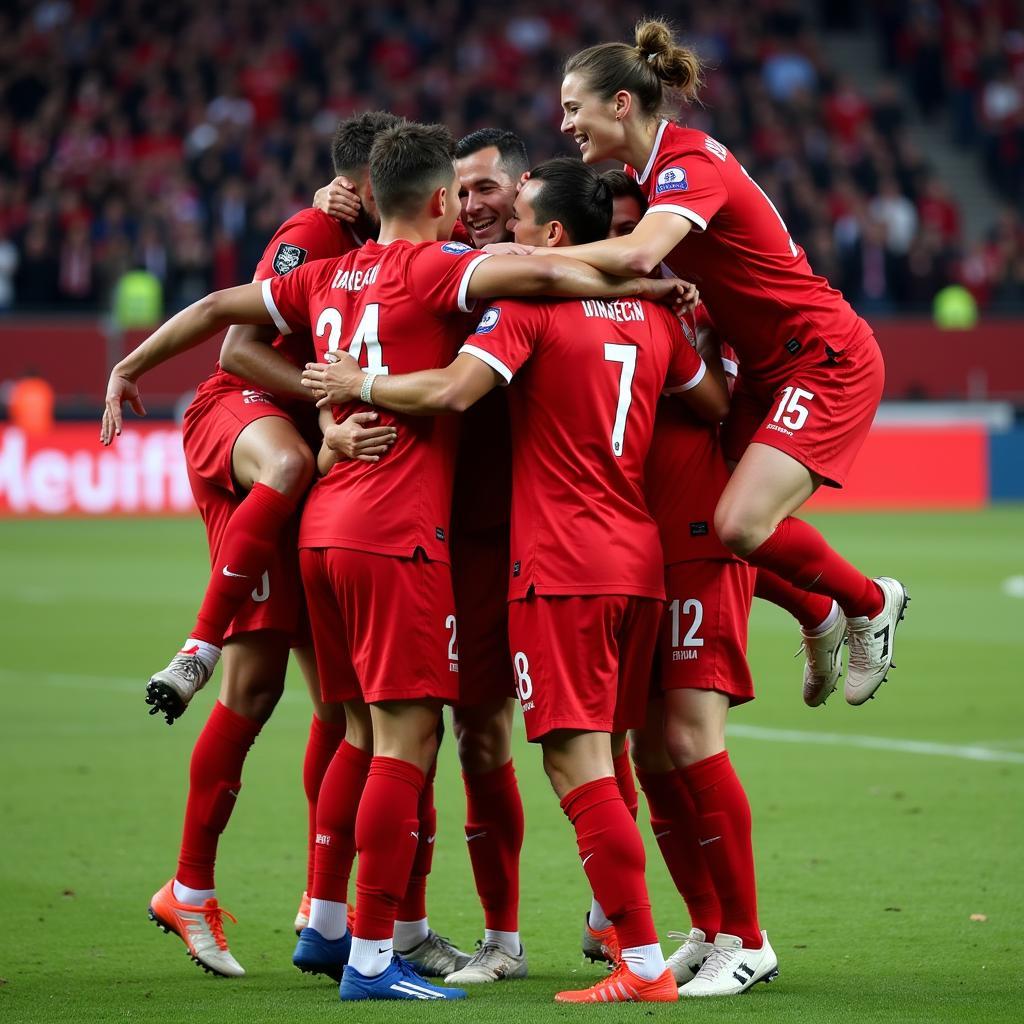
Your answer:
<point x="366" y="389"/>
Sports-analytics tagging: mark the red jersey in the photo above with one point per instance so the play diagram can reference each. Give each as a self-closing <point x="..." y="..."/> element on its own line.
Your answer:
<point x="757" y="283"/>
<point x="306" y="236"/>
<point x="396" y="308"/>
<point x="590" y="373"/>
<point x="686" y="471"/>
<point x="482" y="496"/>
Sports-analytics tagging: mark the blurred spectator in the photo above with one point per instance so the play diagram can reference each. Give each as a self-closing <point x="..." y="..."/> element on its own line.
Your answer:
<point x="8" y="268"/>
<point x="30" y="403"/>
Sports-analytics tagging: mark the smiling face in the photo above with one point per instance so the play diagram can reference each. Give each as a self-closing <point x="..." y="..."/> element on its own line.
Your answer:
<point x="591" y="121"/>
<point x="487" y="192"/>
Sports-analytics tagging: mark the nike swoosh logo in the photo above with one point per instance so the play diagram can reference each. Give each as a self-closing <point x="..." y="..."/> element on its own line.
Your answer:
<point x="704" y="842"/>
<point x="430" y="839"/>
<point x="585" y="859"/>
<point x="386" y="949"/>
<point x="237" y="575"/>
<point x="477" y="835"/>
<point x="658" y="835"/>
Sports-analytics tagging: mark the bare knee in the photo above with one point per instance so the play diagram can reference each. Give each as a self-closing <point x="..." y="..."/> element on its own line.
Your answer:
<point x="740" y="531"/>
<point x="483" y="737"/>
<point x="289" y="470"/>
<point x="690" y="742"/>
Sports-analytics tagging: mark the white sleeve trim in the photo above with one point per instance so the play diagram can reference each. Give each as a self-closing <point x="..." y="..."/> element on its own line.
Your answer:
<point x="681" y="211"/>
<point x="678" y="389"/>
<point x="731" y="367"/>
<point x="491" y="360"/>
<point x="268" y="300"/>
<point x="464" y="303"/>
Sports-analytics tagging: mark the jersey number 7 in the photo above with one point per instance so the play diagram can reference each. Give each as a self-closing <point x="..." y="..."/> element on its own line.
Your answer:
<point x="625" y="354"/>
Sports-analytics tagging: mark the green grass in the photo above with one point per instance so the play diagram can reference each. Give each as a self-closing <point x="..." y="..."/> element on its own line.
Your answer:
<point x="871" y="862"/>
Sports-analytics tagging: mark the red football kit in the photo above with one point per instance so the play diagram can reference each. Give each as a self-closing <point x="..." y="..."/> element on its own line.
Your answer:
<point x="374" y="536"/>
<point x="586" y="578"/>
<point x="703" y="639"/>
<point x="812" y="372"/>
<point x="225" y="405"/>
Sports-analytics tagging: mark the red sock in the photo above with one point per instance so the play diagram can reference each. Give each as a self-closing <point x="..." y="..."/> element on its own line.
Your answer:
<point x="414" y="903"/>
<point x="215" y="777"/>
<point x="612" y="853"/>
<point x="387" y="834"/>
<point x="626" y="784"/>
<point x="494" y="835"/>
<point x="801" y="556"/>
<point x="809" y="609"/>
<point x="336" y="809"/>
<point x="675" y="825"/>
<point x="724" y="822"/>
<point x="324" y="738"/>
<point x="249" y="541"/>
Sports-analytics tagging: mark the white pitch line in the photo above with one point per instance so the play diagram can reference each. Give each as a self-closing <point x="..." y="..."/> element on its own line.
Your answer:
<point x="835" y="739"/>
<point x="121" y="684"/>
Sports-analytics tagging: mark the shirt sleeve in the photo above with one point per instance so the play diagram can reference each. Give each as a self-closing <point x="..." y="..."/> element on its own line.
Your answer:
<point x="505" y="337"/>
<point x="686" y="369"/>
<point x="688" y="185"/>
<point x="439" y="276"/>
<point x="287" y="298"/>
<point x="304" y="238"/>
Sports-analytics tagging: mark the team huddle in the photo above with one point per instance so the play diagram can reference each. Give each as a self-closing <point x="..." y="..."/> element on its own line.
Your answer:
<point x="559" y="423"/>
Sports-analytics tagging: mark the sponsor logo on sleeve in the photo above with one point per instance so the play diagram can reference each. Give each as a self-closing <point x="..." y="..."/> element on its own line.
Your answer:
<point x="672" y="179"/>
<point x="456" y="248"/>
<point x="488" y="321"/>
<point x="288" y="257"/>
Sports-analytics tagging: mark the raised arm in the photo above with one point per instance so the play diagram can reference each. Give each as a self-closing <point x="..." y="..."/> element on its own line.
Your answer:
<point x="247" y="352"/>
<point x="453" y="388"/>
<point x="193" y="325"/>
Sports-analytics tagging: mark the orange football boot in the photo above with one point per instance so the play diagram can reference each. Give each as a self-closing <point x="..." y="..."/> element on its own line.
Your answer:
<point x="201" y="928"/>
<point x="623" y="986"/>
<point x="302" y="916"/>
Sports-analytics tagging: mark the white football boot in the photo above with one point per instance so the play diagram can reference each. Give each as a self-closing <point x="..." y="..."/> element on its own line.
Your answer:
<point x="871" y="642"/>
<point x="730" y="969"/>
<point x="686" y="961"/>
<point x="435" y="956"/>
<point x="490" y="963"/>
<point x="170" y="690"/>
<point x="824" y="665"/>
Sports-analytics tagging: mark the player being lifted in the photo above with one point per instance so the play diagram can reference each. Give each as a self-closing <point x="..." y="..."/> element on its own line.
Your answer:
<point x="811" y="370"/>
<point x="586" y="575"/>
<point x="247" y="438"/>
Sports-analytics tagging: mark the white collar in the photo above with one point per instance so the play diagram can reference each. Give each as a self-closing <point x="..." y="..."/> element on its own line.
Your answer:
<point x="654" y="152"/>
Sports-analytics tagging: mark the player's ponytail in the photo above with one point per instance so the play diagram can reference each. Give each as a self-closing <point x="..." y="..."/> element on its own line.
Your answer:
<point x="654" y="66"/>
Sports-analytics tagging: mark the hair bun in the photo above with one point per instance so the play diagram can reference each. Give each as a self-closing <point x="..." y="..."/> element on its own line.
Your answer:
<point x="677" y="67"/>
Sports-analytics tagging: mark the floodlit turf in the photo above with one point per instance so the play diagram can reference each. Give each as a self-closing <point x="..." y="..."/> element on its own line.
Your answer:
<point x="871" y="861"/>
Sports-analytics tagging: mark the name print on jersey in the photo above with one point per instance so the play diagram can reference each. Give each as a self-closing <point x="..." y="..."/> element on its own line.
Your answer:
<point x="355" y="280"/>
<point x="620" y="311"/>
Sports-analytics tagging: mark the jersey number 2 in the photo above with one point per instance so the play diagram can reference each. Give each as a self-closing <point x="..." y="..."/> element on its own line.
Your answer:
<point x="366" y="336"/>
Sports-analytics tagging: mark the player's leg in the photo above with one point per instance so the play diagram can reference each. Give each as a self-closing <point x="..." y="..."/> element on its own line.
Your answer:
<point x="494" y="832"/>
<point x="251" y="685"/>
<point x="755" y="520"/>
<point x="326" y="731"/>
<point x="269" y="460"/>
<point x="387" y="836"/>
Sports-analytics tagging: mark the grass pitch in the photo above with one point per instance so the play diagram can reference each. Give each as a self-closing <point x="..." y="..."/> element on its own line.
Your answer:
<point x="875" y="845"/>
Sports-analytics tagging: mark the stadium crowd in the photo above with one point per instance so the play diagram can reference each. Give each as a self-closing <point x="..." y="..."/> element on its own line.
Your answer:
<point x="176" y="137"/>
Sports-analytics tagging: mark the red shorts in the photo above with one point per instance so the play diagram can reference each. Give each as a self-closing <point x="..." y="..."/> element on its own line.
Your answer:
<point x="480" y="581"/>
<point x="383" y="627"/>
<point x="212" y="424"/>
<point x="820" y="417"/>
<point x="583" y="662"/>
<point x="702" y="644"/>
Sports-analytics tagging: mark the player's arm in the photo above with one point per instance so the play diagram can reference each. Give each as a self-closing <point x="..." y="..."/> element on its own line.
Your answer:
<point x="453" y="388"/>
<point x="567" y="278"/>
<point x="248" y="352"/>
<point x="354" y="438"/>
<point x="192" y="326"/>
<point x="706" y="395"/>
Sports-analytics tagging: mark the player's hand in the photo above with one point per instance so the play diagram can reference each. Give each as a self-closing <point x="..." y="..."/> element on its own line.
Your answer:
<point x="353" y="439"/>
<point x="681" y="296"/>
<point x="337" y="382"/>
<point x="508" y="249"/>
<point x="339" y="200"/>
<point x="119" y="390"/>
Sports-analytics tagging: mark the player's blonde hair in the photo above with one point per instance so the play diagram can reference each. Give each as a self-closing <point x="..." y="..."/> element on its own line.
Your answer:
<point x="654" y="66"/>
